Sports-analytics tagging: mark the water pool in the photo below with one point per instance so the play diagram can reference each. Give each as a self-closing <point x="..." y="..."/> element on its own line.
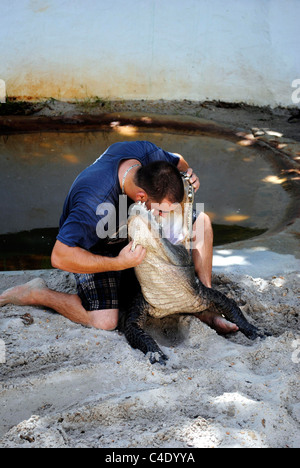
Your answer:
<point x="240" y="190"/>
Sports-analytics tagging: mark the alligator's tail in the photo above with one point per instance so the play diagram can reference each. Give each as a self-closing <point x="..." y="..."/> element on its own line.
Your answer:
<point x="231" y="311"/>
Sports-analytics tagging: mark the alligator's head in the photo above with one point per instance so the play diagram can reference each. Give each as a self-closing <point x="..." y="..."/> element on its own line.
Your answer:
<point x="155" y="237"/>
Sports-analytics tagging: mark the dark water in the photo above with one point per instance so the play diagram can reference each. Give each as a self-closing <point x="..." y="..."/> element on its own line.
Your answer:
<point x="37" y="170"/>
<point x="31" y="250"/>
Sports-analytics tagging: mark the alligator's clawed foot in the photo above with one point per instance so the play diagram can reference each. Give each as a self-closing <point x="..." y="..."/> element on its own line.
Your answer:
<point x="254" y="333"/>
<point x="157" y="356"/>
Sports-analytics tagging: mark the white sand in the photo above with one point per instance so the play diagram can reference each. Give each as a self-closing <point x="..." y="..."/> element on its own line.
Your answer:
<point x="65" y="385"/>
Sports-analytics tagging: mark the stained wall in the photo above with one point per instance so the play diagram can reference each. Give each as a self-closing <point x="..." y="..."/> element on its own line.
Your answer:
<point x="233" y="50"/>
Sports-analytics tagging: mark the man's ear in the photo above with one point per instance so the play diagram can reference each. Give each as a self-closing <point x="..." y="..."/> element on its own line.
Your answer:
<point x="141" y="196"/>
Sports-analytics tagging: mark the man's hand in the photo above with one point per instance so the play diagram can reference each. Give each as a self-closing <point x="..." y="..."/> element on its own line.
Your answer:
<point x="183" y="166"/>
<point x="130" y="259"/>
<point x="194" y="180"/>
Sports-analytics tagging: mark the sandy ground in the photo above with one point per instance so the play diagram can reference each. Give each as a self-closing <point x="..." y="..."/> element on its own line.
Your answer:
<point x="64" y="385"/>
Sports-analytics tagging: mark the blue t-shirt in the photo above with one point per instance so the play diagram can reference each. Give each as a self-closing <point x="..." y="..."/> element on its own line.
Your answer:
<point x="98" y="185"/>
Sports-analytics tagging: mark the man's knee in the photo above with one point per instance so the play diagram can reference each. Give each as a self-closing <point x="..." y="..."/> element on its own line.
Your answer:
<point x="104" y="319"/>
<point x="207" y="222"/>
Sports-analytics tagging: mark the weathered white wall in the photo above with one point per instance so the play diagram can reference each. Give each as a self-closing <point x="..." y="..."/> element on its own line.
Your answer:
<point x="232" y="50"/>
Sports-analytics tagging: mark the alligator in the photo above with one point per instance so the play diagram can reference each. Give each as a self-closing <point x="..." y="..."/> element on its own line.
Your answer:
<point x="168" y="285"/>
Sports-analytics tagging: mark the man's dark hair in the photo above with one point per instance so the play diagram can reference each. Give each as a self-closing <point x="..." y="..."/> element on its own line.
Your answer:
<point x="161" y="180"/>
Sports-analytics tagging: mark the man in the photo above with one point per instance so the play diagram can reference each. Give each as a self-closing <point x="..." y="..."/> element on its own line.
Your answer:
<point x="143" y="172"/>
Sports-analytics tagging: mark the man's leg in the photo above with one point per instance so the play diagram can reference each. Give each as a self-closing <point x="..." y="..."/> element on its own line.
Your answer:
<point x="203" y="249"/>
<point x="106" y="319"/>
<point x="203" y="260"/>
<point x="36" y="293"/>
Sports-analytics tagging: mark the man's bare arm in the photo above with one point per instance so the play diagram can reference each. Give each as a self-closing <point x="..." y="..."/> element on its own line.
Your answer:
<point x="183" y="166"/>
<point x="78" y="260"/>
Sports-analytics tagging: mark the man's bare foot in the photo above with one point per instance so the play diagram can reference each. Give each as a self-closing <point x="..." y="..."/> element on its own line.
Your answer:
<point x="22" y="295"/>
<point x="217" y="322"/>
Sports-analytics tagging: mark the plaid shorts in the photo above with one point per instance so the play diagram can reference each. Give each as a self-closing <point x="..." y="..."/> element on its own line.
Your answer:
<point x="99" y="291"/>
<point x="108" y="290"/>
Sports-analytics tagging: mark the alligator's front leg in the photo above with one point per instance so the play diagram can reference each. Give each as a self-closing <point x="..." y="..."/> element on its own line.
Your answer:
<point x="136" y="336"/>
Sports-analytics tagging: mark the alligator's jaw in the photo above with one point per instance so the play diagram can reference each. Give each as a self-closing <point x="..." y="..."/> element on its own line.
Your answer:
<point x="167" y="275"/>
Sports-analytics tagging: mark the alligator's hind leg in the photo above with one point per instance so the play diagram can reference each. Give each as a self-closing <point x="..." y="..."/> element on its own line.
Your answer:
<point x="222" y="305"/>
<point x="232" y="312"/>
<point x="136" y="336"/>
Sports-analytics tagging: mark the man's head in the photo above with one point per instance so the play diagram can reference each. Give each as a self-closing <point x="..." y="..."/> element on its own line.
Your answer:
<point x="161" y="182"/>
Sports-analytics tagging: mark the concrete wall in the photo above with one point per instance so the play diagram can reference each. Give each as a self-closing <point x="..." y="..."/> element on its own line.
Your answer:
<point x="232" y="50"/>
